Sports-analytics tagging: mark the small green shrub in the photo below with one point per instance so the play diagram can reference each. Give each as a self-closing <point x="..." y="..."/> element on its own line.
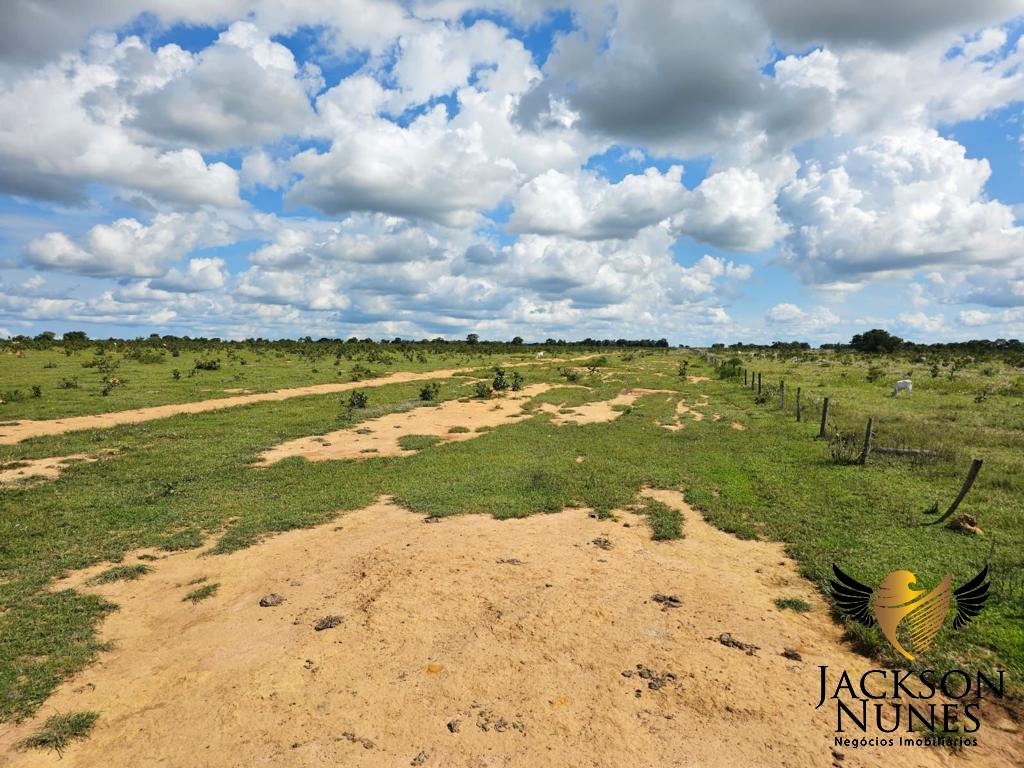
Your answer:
<point x="570" y="375"/>
<point x="875" y="372"/>
<point x="176" y="374"/>
<point x="430" y="391"/>
<point x="207" y="365"/>
<point x="500" y="384"/>
<point x="482" y="390"/>
<point x="517" y="381"/>
<point x="37" y="391"/>
<point x="358" y="399"/>
<point x="458" y="430"/>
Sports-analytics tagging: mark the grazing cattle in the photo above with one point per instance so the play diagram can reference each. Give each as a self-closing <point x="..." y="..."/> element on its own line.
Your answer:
<point x="903" y="385"/>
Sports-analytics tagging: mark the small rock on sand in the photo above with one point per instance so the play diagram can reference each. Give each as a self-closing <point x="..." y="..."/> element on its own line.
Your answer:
<point x="728" y="640"/>
<point x="420" y="759"/>
<point x="667" y="601"/>
<point x="328" y="622"/>
<point x="789" y="653"/>
<point x="268" y="601"/>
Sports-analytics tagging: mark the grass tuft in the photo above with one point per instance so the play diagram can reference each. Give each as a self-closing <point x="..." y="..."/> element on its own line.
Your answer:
<point x="197" y="595"/>
<point x="60" y="730"/>
<point x="792" y="604"/>
<point x="121" y="573"/>
<point x="417" y="442"/>
<point x="666" y="523"/>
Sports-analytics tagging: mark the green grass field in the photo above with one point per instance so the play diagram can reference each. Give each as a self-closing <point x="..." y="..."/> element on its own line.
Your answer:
<point x="188" y="481"/>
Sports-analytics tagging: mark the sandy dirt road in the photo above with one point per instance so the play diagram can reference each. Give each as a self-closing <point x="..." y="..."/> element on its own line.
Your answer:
<point x="469" y="642"/>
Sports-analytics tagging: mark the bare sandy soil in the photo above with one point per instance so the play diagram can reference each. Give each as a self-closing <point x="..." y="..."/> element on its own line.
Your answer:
<point x="469" y="642"/>
<point x="380" y="437"/>
<point x="600" y="411"/>
<point x="15" y="432"/>
<point x="682" y="409"/>
<point x="38" y="470"/>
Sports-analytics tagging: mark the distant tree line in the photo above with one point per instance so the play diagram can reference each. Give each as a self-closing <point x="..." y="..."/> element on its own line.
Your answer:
<point x="79" y="339"/>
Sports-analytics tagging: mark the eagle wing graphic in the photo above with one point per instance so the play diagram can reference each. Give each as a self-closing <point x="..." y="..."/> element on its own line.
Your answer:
<point x="852" y="597"/>
<point x="970" y="599"/>
<point x="929" y="614"/>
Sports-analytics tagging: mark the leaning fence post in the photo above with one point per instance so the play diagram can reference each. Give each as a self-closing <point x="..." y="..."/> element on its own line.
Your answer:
<point x="782" y="395"/>
<point x="824" y="418"/>
<point x="798" y="403"/>
<point x="866" y="451"/>
<point x="971" y="476"/>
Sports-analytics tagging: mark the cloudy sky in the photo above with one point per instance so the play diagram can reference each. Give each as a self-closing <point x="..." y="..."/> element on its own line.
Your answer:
<point x="737" y="170"/>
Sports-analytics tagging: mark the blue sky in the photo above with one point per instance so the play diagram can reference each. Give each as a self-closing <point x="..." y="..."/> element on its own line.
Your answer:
<point x="513" y="168"/>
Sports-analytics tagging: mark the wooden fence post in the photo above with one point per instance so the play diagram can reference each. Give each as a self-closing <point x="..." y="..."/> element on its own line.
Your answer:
<point x="866" y="451"/>
<point x="971" y="477"/>
<point x="759" y="383"/>
<point x="782" y="395"/>
<point x="824" y="418"/>
<point x="798" y="403"/>
<point x="744" y="377"/>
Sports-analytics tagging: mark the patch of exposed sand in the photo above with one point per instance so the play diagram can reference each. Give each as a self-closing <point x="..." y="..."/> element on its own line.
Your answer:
<point x="697" y="379"/>
<point x="16" y="431"/>
<point x="38" y="470"/>
<point x="736" y="425"/>
<point x="682" y="409"/>
<point x="600" y="411"/>
<point x="475" y="641"/>
<point x="381" y="437"/>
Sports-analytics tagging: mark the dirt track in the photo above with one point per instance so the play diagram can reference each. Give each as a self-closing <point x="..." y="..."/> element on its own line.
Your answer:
<point x="17" y="431"/>
<point x="468" y="642"/>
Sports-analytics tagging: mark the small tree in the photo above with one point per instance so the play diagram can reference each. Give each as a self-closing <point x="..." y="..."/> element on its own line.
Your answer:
<point x="499" y="384"/>
<point x="482" y="390"/>
<point x="358" y="399"/>
<point x="517" y="380"/>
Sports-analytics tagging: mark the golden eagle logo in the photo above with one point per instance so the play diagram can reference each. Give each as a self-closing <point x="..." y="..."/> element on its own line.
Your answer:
<point x="896" y="600"/>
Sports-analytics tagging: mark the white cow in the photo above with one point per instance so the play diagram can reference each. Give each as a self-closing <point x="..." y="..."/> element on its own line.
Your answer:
<point x="903" y="385"/>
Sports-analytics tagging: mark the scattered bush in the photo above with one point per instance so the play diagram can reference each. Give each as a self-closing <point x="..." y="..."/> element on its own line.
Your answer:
<point x="71" y="383"/>
<point x="37" y="391"/>
<point x="482" y="390"/>
<point x="730" y="369"/>
<point x="49" y="364"/>
<point x="875" y="372"/>
<point x="207" y="365"/>
<point x="570" y="375"/>
<point x="358" y="399"/>
<point x="176" y="374"/>
<point x="430" y="391"/>
<point x="12" y="396"/>
<point x="517" y="381"/>
<point x="500" y="384"/>
<point x="458" y="430"/>
<point x="684" y="368"/>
